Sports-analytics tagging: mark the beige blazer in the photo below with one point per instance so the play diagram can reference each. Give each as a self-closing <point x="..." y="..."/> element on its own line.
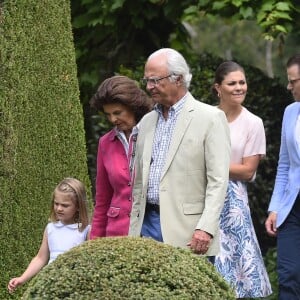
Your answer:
<point x="195" y="176"/>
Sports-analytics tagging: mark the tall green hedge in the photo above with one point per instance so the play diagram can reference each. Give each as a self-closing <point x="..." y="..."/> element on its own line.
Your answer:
<point x="41" y="124"/>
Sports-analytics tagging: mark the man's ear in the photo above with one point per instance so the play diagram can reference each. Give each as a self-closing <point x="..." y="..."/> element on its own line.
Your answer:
<point x="177" y="78"/>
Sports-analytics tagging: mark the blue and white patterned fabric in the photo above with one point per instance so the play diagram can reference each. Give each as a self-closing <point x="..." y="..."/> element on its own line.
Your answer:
<point x="240" y="260"/>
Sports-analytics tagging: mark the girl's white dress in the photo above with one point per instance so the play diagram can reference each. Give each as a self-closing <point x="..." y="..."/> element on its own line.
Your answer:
<point x="240" y="260"/>
<point x="62" y="238"/>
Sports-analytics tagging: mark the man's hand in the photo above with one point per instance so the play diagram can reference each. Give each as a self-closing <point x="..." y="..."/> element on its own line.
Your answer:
<point x="270" y="224"/>
<point x="200" y="241"/>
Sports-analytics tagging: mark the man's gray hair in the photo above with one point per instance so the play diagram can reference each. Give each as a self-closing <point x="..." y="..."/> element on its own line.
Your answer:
<point x="176" y="64"/>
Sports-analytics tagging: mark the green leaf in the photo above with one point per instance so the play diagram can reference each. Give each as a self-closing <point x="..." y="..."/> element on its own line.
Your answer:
<point x="218" y="5"/>
<point x="246" y="12"/>
<point x="283" y="6"/>
<point x="281" y="28"/>
<point x="203" y="3"/>
<point x="191" y="14"/>
<point x="266" y="24"/>
<point x="95" y="22"/>
<point x="268" y="6"/>
<point x="261" y="16"/>
<point x="237" y="3"/>
<point x="281" y="15"/>
<point x="117" y="4"/>
<point x="191" y="10"/>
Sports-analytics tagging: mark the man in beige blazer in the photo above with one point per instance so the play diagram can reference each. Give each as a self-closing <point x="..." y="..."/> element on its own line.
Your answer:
<point x="182" y="161"/>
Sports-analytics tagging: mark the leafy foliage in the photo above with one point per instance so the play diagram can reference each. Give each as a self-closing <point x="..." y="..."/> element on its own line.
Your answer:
<point x="110" y="33"/>
<point x="128" y="268"/>
<point x="273" y="16"/>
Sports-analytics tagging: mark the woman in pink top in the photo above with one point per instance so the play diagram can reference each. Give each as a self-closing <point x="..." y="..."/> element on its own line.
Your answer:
<point x="124" y="104"/>
<point x="240" y="260"/>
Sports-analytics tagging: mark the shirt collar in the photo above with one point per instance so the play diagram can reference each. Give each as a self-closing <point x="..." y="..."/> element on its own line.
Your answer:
<point x="59" y="224"/>
<point x="118" y="132"/>
<point x="175" y="107"/>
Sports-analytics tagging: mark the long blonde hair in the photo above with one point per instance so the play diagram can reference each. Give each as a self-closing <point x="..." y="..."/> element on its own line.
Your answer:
<point x="77" y="190"/>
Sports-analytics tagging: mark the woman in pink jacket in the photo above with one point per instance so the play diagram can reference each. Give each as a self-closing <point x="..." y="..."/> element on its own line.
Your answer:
<point x="124" y="104"/>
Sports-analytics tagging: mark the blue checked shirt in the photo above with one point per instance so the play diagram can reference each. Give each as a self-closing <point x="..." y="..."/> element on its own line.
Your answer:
<point x="162" y="139"/>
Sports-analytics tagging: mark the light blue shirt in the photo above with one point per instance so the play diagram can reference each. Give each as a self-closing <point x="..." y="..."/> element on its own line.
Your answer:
<point x="161" y="143"/>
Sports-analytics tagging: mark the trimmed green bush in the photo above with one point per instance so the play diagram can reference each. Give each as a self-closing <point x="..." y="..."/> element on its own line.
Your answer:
<point x="128" y="268"/>
<point x="42" y="137"/>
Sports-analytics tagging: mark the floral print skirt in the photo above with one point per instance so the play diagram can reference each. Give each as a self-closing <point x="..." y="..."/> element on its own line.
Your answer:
<point x="240" y="260"/>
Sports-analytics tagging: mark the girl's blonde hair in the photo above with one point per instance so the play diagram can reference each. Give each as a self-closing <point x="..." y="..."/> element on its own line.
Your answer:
<point x="77" y="189"/>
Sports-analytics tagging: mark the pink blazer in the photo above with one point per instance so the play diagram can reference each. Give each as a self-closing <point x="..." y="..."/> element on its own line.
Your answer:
<point x="113" y="189"/>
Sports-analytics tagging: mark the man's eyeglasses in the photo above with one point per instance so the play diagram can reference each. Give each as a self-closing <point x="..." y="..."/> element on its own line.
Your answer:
<point x="293" y="81"/>
<point x="153" y="81"/>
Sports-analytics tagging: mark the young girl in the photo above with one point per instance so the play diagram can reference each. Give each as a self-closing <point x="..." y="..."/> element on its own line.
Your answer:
<point x="68" y="228"/>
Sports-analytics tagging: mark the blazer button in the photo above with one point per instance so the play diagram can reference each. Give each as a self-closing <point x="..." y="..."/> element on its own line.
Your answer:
<point x="129" y="183"/>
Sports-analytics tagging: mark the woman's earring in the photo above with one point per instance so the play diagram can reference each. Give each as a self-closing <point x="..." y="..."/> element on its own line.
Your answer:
<point x="219" y="95"/>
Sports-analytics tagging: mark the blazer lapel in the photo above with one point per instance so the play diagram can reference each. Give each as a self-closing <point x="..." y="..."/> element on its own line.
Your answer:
<point x="147" y="149"/>
<point x="181" y="126"/>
